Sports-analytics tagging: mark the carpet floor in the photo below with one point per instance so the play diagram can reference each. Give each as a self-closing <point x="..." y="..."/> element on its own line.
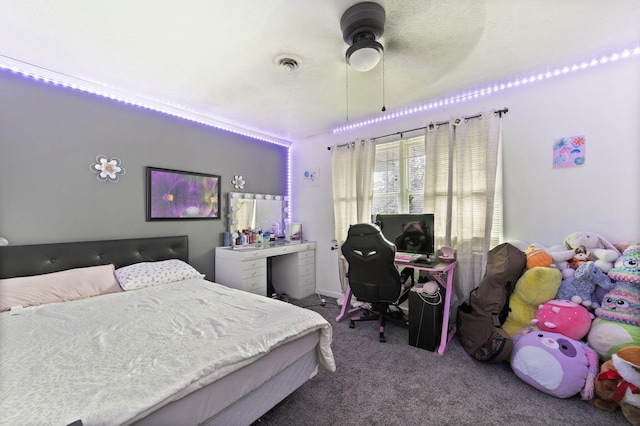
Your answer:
<point x="393" y="383"/>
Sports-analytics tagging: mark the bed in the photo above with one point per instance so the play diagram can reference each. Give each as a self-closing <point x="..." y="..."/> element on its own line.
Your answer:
<point x="170" y="349"/>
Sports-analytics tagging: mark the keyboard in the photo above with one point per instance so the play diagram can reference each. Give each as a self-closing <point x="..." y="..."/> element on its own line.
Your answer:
<point x="416" y="258"/>
<point x="404" y="257"/>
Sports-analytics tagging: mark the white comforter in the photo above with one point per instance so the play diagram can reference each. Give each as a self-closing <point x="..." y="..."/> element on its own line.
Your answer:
<point x="109" y="359"/>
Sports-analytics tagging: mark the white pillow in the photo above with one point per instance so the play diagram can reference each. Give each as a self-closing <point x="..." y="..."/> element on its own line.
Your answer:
<point x="148" y="274"/>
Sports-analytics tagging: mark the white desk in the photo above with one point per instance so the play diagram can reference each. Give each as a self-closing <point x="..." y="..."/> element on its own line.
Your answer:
<point x="442" y="273"/>
<point x="292" y="268"/>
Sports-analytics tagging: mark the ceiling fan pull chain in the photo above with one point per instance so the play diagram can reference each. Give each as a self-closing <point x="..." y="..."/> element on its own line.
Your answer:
<point x="384" y="108"/>
<point x="346" y="69"/>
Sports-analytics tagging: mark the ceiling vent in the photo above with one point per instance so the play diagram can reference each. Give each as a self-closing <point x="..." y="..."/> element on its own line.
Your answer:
<point x="289" y="63"/>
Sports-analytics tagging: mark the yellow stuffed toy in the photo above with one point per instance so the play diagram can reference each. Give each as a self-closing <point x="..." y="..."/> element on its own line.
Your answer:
<point x="535" y="287"/>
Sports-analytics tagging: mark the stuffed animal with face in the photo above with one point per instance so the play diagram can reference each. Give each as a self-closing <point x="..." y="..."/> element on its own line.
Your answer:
<point x="581" y="256"/>
<point x="617" y="322"/>
<point x="555" y="364"/>
<point x="581" y="288"/>
<point x="618" y="384"/>
<point x="564" y="317"/>
<point x="627" y="267"/>
<point x="602" y="252"/>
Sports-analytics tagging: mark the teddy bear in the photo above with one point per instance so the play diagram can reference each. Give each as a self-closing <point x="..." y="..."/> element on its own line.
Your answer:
<point x="535" y="287"/>
<point x="581" y="256"/>
<point x="581" y="288"/>
<point x="554" y="364"/>
<point x="602" y="252"/>
<point x="617" y="322"/>
<point x="618" y="384"/>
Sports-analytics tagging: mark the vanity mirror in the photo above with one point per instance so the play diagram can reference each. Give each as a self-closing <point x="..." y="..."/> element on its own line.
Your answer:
<point x="257" y="211"/>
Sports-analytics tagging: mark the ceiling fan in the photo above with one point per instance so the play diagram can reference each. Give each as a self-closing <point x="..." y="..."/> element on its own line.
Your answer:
<point x="362" y="25"/>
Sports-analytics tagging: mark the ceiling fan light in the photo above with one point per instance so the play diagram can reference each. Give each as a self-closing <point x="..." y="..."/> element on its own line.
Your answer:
<point x="364" y="55"/>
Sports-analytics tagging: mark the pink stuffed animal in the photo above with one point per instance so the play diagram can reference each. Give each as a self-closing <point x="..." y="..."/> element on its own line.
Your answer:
<point x="564" y="317"/>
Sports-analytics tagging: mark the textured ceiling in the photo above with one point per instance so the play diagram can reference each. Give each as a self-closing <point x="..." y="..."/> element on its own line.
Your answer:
<point x="216" y="57"/>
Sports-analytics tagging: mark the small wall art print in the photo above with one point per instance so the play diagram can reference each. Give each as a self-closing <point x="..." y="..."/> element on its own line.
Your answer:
<point x="179" y="195"/>
<point x="311" y="177"/>
<point x="569" y="151"/>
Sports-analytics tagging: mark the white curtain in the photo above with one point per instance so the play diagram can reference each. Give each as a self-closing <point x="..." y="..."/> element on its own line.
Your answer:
<point x="352" y="167"/>
<point x="463" y="189"/>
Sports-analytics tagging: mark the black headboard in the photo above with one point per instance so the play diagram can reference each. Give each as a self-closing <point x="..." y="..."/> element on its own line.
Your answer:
<point x="36" y="259"/>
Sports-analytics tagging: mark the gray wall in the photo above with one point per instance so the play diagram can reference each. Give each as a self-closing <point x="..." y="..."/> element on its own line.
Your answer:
<point x="50" y="135"/>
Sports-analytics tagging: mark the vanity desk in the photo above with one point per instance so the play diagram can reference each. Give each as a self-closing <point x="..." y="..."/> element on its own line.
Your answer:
<point x="290" y="265"/>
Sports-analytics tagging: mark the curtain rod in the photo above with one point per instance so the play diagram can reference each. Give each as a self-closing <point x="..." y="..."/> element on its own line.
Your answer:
<point x="499" y="112"/>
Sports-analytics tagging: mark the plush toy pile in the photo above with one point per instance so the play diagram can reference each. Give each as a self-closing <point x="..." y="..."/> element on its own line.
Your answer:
<point x="589" y="324"/>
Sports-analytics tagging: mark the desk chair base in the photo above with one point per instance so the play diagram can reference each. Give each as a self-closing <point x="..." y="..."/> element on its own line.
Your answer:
<point x="398" y="316"/>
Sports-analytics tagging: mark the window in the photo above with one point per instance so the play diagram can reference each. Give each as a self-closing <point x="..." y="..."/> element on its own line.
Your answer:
<point x="398" y="179"/>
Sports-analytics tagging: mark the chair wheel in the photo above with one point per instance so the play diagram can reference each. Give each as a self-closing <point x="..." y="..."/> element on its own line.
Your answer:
<point x="352" y="324"/>
<point x="382" y="338"/>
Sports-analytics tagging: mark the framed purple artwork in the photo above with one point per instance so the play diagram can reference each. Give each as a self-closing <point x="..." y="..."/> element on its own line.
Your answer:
<point x="179" y="195"/>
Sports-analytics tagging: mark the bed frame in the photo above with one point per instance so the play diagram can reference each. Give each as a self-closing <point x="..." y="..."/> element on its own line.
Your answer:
<point x="36" y="259"/>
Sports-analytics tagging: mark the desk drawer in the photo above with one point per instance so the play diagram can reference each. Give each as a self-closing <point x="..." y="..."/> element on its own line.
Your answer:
<point x="307" y="280"/>
<point x="250" y="273"/>
<point x="249" y="254"/>
<point x="306" y="261"/>
<point x="257" y="285"/>
<point x="307" y="269"/>
<point x="306" y="286"/>
<point x="308" y="254"/>
<point x="253" y="263"/>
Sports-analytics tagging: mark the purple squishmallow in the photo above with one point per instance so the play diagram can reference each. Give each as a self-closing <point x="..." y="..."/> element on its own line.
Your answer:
<point x="555" y="364"/>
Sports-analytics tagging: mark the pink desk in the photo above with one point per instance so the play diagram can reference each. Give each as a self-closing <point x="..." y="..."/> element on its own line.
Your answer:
<point x="442" y="273"/>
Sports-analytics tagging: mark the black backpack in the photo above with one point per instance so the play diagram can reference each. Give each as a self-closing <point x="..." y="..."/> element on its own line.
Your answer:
<point x="479" y="321"/>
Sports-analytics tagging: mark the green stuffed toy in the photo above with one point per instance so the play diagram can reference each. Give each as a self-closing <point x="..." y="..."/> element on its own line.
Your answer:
<point x="607" y="337"/>
<point x="535" y="287"/>
<point x="617" y="322"/>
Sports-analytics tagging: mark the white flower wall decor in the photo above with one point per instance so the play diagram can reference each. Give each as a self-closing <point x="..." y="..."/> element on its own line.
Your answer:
<point x="238" y="182"/>
<point x="107" y="170"/>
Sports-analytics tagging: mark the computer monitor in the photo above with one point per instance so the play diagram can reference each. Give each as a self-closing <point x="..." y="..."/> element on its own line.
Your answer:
<point x="411" y="233"/>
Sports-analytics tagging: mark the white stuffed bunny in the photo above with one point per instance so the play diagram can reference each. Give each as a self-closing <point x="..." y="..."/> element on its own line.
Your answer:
<point x="603" y="253"/>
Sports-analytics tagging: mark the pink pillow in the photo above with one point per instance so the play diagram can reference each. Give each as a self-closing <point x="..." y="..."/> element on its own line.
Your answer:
<point x="62" y="286"/>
